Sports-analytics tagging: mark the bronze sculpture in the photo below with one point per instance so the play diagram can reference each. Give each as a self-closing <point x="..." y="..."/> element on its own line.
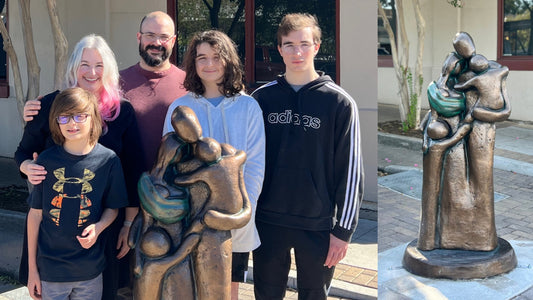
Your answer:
<point x="190" y="200"/>
<point x="457" y="191"/>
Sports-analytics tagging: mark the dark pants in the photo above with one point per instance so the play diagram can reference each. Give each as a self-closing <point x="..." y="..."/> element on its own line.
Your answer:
<point x="272" y="261"/>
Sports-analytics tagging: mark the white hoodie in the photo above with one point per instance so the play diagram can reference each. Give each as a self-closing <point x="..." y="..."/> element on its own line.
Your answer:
<point x="237" y="121"/>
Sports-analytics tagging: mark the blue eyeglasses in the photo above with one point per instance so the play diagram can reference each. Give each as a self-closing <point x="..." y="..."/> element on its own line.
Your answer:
<point x="81" y="118"/>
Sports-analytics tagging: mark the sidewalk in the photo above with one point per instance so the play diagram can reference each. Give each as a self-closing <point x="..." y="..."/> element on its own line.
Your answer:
<point x="399" y="215"/>
<point x="355" y="277"/>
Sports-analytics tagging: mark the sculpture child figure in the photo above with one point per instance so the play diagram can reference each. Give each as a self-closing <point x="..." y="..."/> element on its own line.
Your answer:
<point x="491" y="104"/>
<point x="228" y="206"/>
<point x="436" y="145"/>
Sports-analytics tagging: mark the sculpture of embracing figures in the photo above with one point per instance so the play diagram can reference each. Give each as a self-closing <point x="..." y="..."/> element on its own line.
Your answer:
<point x="458" y="191"/>
<point x="190" y="200"/>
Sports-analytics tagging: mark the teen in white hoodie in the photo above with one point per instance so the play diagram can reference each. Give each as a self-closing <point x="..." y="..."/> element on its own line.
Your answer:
<point x="214" y="81"/>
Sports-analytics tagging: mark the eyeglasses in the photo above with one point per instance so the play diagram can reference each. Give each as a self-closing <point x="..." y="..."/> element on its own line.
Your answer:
<point x="292" y="48"/>
<point x="152" y="37"/>
<point x="81" y="118"/>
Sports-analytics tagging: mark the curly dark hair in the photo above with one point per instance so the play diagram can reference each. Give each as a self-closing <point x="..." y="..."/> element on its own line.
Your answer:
<point x="232" y="83"/>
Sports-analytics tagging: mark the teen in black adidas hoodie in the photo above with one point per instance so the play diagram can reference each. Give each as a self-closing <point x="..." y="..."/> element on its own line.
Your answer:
<point x="313" y="179"/>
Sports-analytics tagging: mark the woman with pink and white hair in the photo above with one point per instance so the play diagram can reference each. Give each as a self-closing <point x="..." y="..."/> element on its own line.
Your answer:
<point x="91" y="66"/>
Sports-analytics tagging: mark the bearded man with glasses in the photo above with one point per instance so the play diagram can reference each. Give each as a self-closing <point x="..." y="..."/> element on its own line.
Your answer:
<point x="154" y="82"/>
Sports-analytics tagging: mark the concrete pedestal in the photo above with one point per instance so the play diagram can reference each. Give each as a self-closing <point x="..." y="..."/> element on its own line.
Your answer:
<point x="459" y="264"/>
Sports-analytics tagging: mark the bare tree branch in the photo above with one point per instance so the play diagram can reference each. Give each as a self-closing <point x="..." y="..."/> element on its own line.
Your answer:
<point x="418" y="80"/>
<point x="60" y="44"/>
<point x="8" y="47"/>
<point x="399" y="65"/>
<point x="32" y="65"/>
<point x="236" y="18"/>
<point x="400" y="58"/>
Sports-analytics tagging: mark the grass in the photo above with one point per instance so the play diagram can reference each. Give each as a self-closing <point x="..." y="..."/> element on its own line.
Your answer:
<point x="8" y="280"/>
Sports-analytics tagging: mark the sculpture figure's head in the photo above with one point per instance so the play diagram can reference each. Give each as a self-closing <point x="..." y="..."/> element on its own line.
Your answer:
<point x="438" y="129"/>
<point x="464" y="45"/>
<point x="208" y="150"/>
<point x="186" y="124"/>
<point x="479" y="63"/>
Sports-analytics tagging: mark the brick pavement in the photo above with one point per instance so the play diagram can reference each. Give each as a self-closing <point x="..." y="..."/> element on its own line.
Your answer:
<point x="246" y="292"/>
<point x="343" y="272"/>
<point x="399" y="215"/>
<point x="349" y="274"/>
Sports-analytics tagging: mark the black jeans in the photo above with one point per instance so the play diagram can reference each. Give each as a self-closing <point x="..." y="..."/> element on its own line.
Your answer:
<point x="272" y="262"/>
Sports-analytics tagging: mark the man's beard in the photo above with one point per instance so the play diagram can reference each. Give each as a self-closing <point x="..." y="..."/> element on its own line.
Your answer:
<point x="151" y="60"/>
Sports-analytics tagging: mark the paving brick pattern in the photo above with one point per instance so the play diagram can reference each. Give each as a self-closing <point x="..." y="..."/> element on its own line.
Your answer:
<point x="399" y="215"/>
<point x="356" y="275"/>
<point x="351" y="274"/>
<point x="246" y="292"/>
<point x="514" y="155"/>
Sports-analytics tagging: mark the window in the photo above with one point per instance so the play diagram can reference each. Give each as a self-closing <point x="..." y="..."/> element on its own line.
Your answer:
<point x="257" y="20"/>
<point x="194" y="16"/>
<point x="268" y="14"/>
<point x="515" y="34"/>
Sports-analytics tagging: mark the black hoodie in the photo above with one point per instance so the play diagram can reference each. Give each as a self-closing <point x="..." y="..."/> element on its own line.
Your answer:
<point x="314" y="172"/>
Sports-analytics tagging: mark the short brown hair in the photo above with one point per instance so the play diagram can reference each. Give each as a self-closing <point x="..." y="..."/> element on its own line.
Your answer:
<point x="293" y="22"/>
<point x="73" y="101"/>
<point x="232" y="83"/>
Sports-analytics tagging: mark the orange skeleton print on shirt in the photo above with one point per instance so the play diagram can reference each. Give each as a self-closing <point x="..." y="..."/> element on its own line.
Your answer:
<point x="85" y="202"/>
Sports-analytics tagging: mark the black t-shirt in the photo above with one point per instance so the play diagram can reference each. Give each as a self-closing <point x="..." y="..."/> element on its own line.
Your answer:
<point x="122" y="137"/>
<point x="76" y="191"/>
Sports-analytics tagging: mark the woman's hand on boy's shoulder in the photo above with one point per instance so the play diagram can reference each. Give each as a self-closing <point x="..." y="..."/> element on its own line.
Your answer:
<point x="36" y="173"/>
<point x="32" y="108"/>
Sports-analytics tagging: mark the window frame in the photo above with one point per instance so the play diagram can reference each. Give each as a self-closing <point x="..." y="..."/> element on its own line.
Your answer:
<point x="249" y="27"/>
<point x="519" y="63"/>
<point x="4" y="83"/>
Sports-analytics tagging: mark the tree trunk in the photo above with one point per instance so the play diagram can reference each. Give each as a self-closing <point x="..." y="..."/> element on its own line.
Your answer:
<point x="236" y="18"/>
<point x="418" y="80"/>
<point x="404" y="60"/>
<point x="32" y="65"/>
<point x="10" y="51"/>
<point x="60" y="44"/>
<point x="399" y="59"/>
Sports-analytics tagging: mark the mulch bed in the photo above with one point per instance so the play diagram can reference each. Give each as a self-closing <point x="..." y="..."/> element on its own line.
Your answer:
<point x="395" y="127"/>
<point x="14" y="198"/>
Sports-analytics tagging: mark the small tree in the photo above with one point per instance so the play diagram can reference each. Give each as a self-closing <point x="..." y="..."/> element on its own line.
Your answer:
<point x="32" y="69"/>
<point x="410" y="84"/>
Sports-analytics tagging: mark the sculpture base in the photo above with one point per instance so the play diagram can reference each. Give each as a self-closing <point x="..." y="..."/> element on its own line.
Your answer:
<point x="459" y="264"/>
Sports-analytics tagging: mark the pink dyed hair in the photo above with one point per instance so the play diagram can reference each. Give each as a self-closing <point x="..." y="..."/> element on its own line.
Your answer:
<point x="109" y="98"/>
